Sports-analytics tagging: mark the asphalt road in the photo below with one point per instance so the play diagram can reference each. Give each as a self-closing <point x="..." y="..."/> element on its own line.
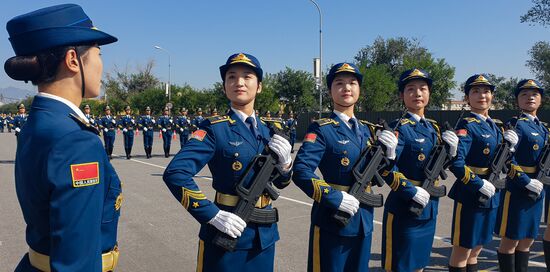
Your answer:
<point x="157" y="234"/>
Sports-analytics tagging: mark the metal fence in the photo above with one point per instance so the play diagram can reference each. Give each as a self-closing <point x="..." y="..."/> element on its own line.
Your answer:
<point x="305" y="119"/>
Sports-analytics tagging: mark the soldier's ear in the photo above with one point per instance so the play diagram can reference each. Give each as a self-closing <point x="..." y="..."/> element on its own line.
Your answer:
<point x="259" y="88"/>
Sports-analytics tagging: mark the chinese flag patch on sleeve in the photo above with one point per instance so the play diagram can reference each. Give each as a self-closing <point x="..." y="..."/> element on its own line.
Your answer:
<point x="462" y="132"/>
<point x="198" y="135"/>
<point x="310" y="137"/>
<point x="85" y="174"/>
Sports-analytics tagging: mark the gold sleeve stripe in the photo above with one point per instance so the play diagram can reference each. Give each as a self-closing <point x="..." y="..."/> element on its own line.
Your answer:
<point x="317" y="190"/>
<point x="515" y="169"/>
<point x="397" y="176"/>
<point x="467" y="174"/>
<point x="187" y="194"/>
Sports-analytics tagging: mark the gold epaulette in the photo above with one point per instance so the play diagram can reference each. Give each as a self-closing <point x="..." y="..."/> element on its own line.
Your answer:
<point x="498" y="122"/>
<point x="471" y="119"/>
<point x="405" y="121"/>
<point x="220" y="119"/>
<point x="326" y="121"/>
<point x="84" y="124"/>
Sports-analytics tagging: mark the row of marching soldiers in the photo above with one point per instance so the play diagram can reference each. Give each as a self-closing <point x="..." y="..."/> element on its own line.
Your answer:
<point x="167" y="125"/>
<point x="410" y="154"/>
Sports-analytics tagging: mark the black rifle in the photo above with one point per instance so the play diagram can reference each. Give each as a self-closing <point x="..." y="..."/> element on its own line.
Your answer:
<point x="434" y="168"/>
<point x="260" y="172"/>
<point x="498" y="166"/>
<point x="544" y="170"/>
<point x="365" y="173"/>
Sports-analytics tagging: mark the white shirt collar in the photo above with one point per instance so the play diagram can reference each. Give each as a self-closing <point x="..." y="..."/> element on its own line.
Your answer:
<point x="416" y="117"/>
<point x="531" y="117"/>
<point x="344" y="117"/>
<point x="243" y="116"/>
<point x="486" y="119"/>
<point x="66" y="102"/>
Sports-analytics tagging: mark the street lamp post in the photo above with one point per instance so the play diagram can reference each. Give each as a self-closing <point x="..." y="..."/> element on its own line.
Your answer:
<point x="320" y="79"/>
<point x="169" y="73"/>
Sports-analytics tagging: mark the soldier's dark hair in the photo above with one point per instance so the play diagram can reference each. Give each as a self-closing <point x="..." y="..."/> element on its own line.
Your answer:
<point x="42" y="67"/>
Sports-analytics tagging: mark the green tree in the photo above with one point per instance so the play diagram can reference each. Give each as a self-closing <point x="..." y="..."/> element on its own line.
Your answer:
<point x="154" y="98"/>
<point x="503" y="97"/>
<point x="120" y="86"/>
<point x="539" y="13"/>
<point x="295" y="89"/>
<point x="540" y="61"/>
<point x="388" y="59"/>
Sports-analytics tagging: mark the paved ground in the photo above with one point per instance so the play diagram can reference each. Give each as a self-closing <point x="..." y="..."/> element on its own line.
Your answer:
<point x="157" y="234"/>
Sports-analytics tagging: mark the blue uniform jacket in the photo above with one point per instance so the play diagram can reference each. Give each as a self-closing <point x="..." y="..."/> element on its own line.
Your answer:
<point x="69" y="193"/>
<point x="333" y="148"/>
<point x="18" y="121"/>
<point x="532" y="138"/>
<point x="109" y="122"/>
<point x="477" y="144"/>
<point x="147" y="121"/>
<point x="183" y="123"/>
<point x="165" y="121"/>
<point x="415" y="142"/>
<point x="197" y="120"/>
<point x="128" y="122"/>
<point x="221" y="142"/>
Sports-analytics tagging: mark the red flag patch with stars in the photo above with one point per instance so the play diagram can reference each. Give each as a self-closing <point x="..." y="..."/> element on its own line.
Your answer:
<point x="310" y="137"/>
<point x="199" y="135"/>
<point x="85" y="174"/>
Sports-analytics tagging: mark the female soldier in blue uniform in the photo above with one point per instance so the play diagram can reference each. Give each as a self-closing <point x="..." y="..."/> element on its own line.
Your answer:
<point x="147" y="124"/>
<point x="334" y="145"/>
<point x="69" y="193"/>
<point x="182" y="126"/>
<point x="19" y="119"/>
<point x="473" y="221"/>
<point x="107" y="123"/>
<point x="166" y="124"/>
<point x="228" y="143"/>
<point x="407" y="238"/>
<point x="127" y="124"/>
<point x="519" y="216"/>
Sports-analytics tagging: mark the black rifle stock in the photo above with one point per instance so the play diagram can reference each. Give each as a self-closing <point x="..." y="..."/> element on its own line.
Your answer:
<point x="543" y="174"/>
<point x="498" y="166"/>
<point x="365" y="173"/>
<point x="259" y="174"/>
<point x="434" y="168"/>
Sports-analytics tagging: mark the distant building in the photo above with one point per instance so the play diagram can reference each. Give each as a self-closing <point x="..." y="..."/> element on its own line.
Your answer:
<point x="455" y="105"/>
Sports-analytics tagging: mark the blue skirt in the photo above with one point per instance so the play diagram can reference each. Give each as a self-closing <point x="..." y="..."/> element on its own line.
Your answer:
<point x="472" y="226"/>
<point x="406" y="242"/>
<point x="518" y="216"/>
<point x="329" y="252"/>
<point x="212" y="258"/>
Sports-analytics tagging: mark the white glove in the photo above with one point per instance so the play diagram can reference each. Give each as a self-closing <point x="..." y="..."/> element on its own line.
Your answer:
<point x="534" y="186"/>
<point x="181" y="129"/>
<point x="228" y="223"/>
<point x="17" y="129"/>
<point x="113" y="121"/>
<point x="488" y="189"/>
<point x="163" y="130"/>
<point x="512" y="137"/>
<point x="92" y="121"/>
<point x="421" y="197"/>
<point x="145" y="129"/>
<point x="105" y="129"/>
<point x="171" y="121"/>
<point x="281" y="147"/>
<point x="125" y="130"/>
<point x="133" y="121"/>
<point x="452" y="140"/>
<point x="153" y="120"/>
<point x="388" y="139"/>
<point x="349" y="204"/>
